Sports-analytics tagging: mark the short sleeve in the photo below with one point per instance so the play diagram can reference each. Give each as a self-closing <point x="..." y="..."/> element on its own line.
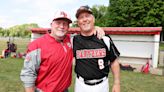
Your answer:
<point x="113" y="52"/>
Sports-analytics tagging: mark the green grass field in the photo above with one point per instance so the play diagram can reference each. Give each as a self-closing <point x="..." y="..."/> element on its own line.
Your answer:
<point x="130" y="81"/>
<point x="161" y="46"/>
<point x="9" y="75"/>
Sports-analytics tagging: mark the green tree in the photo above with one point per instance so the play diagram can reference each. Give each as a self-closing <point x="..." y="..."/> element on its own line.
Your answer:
<point x="100" y="13"/>
<point x="135" y="13"/>
<point x="6" y="33"/>
<point x="22" y="30"/>
<point x="1" y="31"/>
<point x="74" y="24"/>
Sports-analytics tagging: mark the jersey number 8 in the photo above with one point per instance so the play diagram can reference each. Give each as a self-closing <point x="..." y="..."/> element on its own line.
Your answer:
<point x="101" y="64"/>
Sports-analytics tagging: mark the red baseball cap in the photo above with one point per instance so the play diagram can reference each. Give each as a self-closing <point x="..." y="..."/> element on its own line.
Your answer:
<point x="62" y="15"/>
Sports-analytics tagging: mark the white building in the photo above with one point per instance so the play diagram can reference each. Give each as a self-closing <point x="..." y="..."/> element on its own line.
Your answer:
<point x="137" y="45"/>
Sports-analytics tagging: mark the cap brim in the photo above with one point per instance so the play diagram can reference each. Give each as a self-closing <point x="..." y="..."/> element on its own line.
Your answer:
<point x="81" y="11"/>
<point x="63" y="18"/>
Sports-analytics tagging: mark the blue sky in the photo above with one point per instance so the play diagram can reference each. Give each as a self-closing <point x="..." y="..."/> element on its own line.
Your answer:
<point x="16" y="12"/>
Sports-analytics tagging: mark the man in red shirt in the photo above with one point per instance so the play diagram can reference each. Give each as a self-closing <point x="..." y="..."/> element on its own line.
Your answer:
<point x="48" y="63"/>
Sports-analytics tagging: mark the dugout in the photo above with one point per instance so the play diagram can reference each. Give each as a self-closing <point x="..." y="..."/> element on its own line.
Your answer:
<point x="137" y="45"/>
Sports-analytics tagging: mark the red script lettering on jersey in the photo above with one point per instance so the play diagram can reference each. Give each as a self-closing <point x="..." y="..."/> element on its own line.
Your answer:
<point x="91" y="53"/>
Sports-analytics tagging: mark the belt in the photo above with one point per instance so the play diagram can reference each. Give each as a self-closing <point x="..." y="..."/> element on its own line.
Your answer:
<point x="91" y="82"/>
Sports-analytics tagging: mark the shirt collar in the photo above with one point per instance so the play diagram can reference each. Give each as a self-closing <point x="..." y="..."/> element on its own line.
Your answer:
<point x="52" y="39"/>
